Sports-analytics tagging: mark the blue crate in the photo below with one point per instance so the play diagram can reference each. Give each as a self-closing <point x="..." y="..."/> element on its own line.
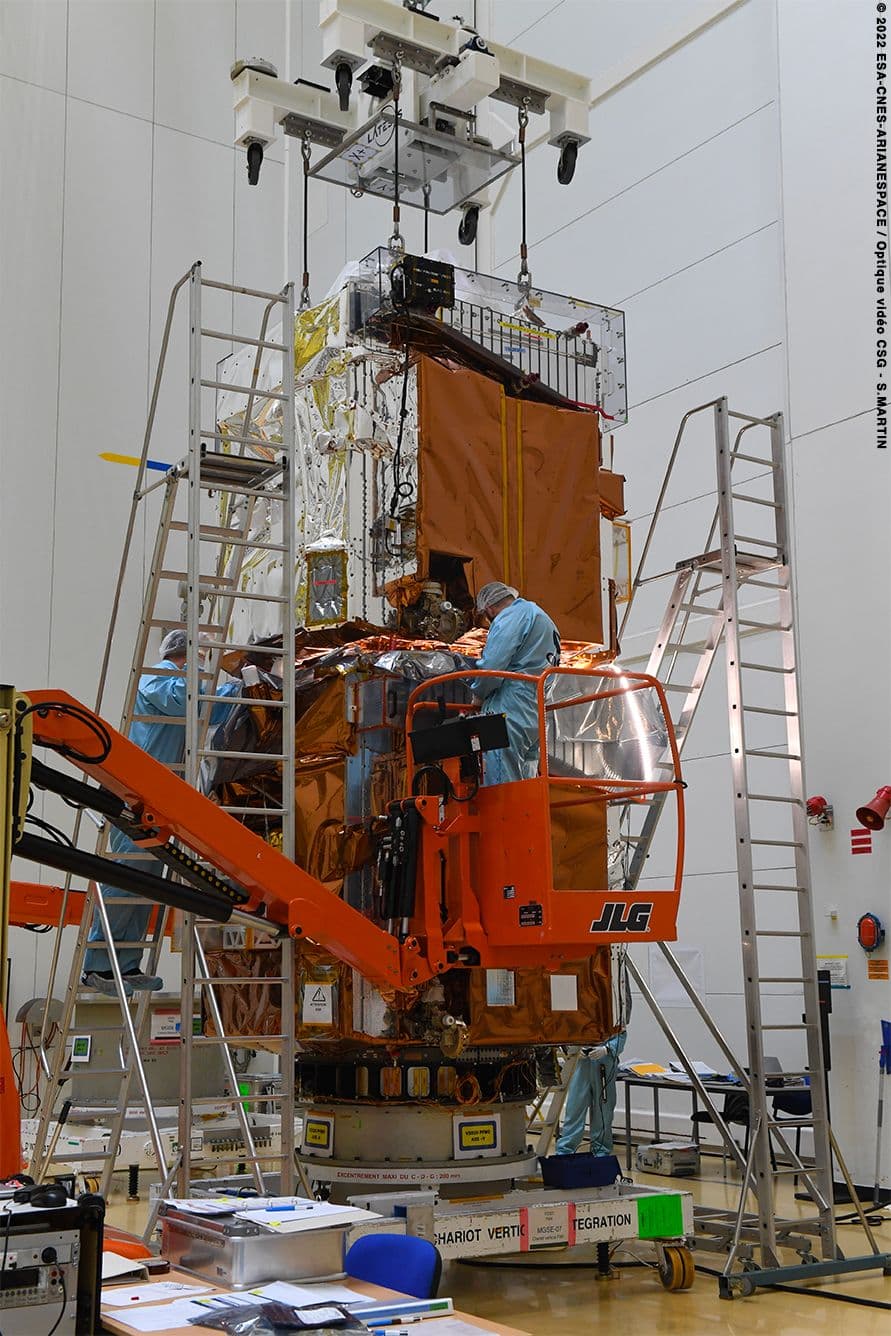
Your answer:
<point x="579" y="1171"/>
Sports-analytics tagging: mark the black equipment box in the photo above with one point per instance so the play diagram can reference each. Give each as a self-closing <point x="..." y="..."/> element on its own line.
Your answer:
<point x="467" y="735"/>
<point x="419" y="284"/>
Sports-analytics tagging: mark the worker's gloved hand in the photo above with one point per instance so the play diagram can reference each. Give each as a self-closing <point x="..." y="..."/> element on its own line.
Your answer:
<point x="250" y="675"/>
<point x="598" y="1052"/>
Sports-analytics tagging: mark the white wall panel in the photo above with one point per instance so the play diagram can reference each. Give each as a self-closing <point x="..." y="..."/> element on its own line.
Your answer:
<point x="192" y="219"/>
<point x="694" y="95"/>
<point x="259" y="242"/>
<point x="829" y="222"/>
<point x="32" y="154"/>
<point x="194" y="51"/>
<point x="102" y="400"/>
<point x="33" y="41"/>
<point x="111" y="53"/>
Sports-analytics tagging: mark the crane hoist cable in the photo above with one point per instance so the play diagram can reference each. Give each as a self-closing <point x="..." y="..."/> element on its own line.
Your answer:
<point x="397" y="241"/>
<point x="306" y="150"/>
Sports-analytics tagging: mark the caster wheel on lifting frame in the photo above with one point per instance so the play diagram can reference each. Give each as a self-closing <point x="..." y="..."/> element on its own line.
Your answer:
<point x="676" y="1268"/>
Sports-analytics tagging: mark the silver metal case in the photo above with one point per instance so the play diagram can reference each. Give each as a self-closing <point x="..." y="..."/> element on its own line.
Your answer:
<point x="240" y="1254"/>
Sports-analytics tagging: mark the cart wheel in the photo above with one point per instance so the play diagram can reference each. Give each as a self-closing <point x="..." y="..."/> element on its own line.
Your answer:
<point x="676" y="1270"/>
<point x="91" y="1183"/>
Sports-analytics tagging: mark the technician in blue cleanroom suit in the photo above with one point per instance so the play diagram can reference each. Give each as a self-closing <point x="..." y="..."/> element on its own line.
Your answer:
<point x="592" y="1097"/>
<point x="160" y="692"/>
<point x="522" y="639"/>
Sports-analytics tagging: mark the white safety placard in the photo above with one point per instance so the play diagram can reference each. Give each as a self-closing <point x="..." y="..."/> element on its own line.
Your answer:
<point x="318" y="1004"/>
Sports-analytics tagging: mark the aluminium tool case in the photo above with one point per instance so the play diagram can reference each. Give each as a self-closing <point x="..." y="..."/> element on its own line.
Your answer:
<point x="240" y="1253"/>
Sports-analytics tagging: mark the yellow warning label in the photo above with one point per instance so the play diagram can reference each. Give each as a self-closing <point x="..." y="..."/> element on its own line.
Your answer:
<point x="877" y="969"/>
<point x="479" y="1136"/>
<point x="317" y="1133"/>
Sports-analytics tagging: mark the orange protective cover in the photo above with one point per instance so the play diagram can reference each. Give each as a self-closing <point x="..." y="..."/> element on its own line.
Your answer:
<point x="512" y="487"/>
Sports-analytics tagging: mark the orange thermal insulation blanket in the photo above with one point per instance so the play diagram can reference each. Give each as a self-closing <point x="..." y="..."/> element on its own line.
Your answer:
<point x="256" y="1008"/>
<point x="512" y="487"/>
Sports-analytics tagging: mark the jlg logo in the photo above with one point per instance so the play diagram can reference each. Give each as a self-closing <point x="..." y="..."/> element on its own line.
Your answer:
<point x="615" y="918"/>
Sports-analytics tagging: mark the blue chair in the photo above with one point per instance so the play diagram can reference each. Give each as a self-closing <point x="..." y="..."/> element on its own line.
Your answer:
<point x="397" y="1262"/>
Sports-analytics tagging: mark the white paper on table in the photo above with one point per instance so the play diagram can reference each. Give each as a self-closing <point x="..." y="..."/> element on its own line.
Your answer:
<point x="300" y="1295"/>
<point x="306" y="1215"/>
<point x="162" y="1317"/>
<point x="664" y="983"/>
<point x="115" y="1267"/>
<point x="702" y="1069"/>
<point x="126" y="1295"/>
<point x="206" y="1205"/>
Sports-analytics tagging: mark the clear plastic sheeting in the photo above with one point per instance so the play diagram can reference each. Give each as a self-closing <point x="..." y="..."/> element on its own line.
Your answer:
<point x="619" y="736"/>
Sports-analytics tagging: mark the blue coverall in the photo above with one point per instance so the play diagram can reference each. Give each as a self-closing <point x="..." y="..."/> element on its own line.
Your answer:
<point x="522" y="639"/>
<point x="592" y="1096"/>
<point x="156" y="694"/>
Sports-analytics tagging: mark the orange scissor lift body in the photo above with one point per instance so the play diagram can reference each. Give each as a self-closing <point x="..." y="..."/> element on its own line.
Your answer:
<point x="496" y="907"/>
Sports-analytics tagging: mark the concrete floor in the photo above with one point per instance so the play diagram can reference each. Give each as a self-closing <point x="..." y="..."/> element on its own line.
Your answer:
<point x="553" y="1296"/>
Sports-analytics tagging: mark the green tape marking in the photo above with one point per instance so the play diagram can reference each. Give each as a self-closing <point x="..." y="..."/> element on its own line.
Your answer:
<point x="660" y="1216"/>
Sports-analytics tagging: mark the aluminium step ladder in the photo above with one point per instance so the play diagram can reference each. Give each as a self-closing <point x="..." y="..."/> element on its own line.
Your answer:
<point x="186" y="545"/>
<point x="747" y="548"/>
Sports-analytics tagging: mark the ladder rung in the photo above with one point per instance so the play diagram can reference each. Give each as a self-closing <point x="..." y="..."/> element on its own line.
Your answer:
<point x="225" y="539"/>
<point x="781" y="932"/>
<point x="245" y="1041"/>
<point x="158" y="719"/>
<point x="799" y="1076"/>
<point x="756" y="501"/>
<point x="772" y="755"/>
<point x="765" y="668"/>
<point x="241" y="440"/>
<point x="272" y="651"/>
<point x="759" y="542"/>
<point x="237" y="489"/>
<point x="792" y="1122"/>
<point x="243" y="700"/>
<point x="253" y="811"/>
<point x="245" y="292"/>
<point x="222" y="582"/>
<point x="764" y="709"/>
<point x="76" y="1071"/>
<point x="778" y="844"/>
<point x="243" y="389"/>
<point x="243" y="755"/>
<point x="209" y="981"/>
<point x="776" y="588"/>
<point x="236" y="1040"/>
<point x="698" y="609"/>
<point x="767" y="798"/>
<point x="242" y="594"/>
<point x="677" y="647"/>
<point x="763" y="626"/>
<point x="752" y="459"/>
<point x="797" y="1025"/>
<point x="677" y="686"/>
<point x="243" y="338"/>
<point x="774" y="886"/>
<point x="782" y="978"/>
<point x="170" y="672"/>
<point x="210" y="627"/>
